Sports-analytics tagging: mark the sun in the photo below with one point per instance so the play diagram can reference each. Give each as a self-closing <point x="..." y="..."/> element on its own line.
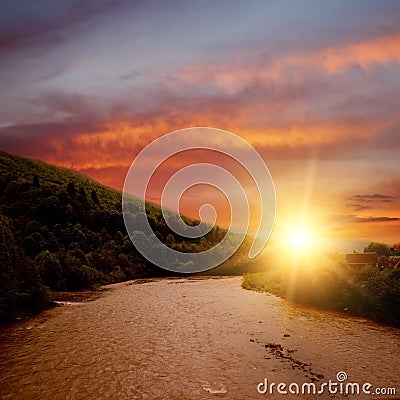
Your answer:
<point x="300" y="238"/>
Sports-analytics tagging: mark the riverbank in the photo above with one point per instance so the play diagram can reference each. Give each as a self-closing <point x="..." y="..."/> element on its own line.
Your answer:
<point x="365" y="292"/>
<point x="77" y="296"/>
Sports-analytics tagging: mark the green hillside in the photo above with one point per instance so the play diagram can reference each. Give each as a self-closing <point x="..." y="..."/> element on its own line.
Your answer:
<point x="60" y="230"/>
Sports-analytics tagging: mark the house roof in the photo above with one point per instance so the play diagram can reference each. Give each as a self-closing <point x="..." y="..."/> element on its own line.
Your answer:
<point x="362" y="258"/>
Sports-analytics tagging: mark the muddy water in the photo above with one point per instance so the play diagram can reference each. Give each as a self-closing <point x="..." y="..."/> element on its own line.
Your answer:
<point x="189" y="339"/>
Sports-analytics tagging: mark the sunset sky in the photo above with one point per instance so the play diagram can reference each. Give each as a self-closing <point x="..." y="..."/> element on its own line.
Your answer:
<point x="313" y="86"/>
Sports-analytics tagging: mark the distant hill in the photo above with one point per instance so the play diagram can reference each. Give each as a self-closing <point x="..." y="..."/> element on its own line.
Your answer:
<point x="60" y="230"/>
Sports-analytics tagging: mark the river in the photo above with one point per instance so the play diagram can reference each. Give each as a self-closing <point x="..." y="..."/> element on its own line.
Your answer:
<point x="191" y="339"/>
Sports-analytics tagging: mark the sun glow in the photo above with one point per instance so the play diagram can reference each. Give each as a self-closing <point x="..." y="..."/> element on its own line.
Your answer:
<point x="300" y="238"/>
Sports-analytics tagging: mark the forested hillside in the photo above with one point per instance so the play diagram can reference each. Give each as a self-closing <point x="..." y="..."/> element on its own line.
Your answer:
<point x="60" y="230"/>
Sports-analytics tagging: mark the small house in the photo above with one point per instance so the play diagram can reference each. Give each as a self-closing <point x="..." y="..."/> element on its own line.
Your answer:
<point x="362" y="259"/>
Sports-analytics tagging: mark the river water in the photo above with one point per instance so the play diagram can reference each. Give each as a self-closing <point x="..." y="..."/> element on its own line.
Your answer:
<point x="191" y="339"/>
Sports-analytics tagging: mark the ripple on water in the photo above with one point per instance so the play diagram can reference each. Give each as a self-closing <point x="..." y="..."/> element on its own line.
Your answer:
<point x="213" y="388"/>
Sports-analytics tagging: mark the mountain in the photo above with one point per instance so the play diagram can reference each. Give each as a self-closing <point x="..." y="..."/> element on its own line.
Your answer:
<point x="60" y="230"/>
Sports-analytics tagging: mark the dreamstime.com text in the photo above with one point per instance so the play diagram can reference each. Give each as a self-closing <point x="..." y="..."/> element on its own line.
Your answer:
<point x="340" y="386"/>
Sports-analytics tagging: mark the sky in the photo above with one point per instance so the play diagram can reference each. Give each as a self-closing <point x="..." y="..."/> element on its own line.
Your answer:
<point x="313" y="86"/>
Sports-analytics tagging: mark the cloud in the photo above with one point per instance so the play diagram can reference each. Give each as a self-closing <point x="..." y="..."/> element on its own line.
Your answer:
<point x="130" y="75"/>
<point x="350" y="227"/>
<point x="376" y="219"/>
<point x="369" y="198"/>
<point x="357" y="206"/>
<point x="363" y="54"/>
<point x="85" y="132"/>
<point x="362" y="202"/>
<point x="37" y="38"/>
<point x="42" y="23"/>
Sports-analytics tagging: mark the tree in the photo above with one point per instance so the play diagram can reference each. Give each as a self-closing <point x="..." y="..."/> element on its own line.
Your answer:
<point x="33" y="244"/>
<point x="93" y="196"/>
<point x="71" y="189"/>
<point x="81" y="277"/>
<point x="50" y="210"/>
<point x="119" y="238"/>
<point x="35" y="182"/>
<point x="50" y="270"/>
<point x="381" y="249"/>
<point x="21" y="288"/>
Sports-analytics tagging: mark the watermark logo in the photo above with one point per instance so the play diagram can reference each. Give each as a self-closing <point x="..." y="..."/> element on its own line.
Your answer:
<point x="203" y="173"/>
<point x="339" y="386"/>
<point x="341" y="376"/>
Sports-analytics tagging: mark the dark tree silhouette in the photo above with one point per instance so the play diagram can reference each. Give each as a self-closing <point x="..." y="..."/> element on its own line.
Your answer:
<point x="381" y="249"/>
<point x="71" y="189"/>
<point x="35" y="182"/>
<point x="94" y="197"/>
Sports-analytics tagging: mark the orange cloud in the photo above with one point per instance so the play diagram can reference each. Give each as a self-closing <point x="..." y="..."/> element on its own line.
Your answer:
<point x="330" y="60"/>
<point x="116" y="143"/>
<point x="364" y="54"/>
